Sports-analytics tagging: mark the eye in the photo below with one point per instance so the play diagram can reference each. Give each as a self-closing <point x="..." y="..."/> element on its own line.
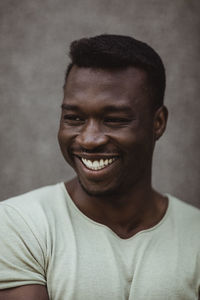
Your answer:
<point x="116" y="120"/>
<point x="73" y="119"/>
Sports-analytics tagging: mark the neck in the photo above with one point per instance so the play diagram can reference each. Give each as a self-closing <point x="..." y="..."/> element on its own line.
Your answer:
<point x="126" y="214"/>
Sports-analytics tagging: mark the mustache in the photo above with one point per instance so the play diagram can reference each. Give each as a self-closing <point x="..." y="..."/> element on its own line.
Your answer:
<point x="98" y="150"/>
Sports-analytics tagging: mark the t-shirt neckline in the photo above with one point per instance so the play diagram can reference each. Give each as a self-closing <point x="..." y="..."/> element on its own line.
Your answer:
<point x="99" y="225"/>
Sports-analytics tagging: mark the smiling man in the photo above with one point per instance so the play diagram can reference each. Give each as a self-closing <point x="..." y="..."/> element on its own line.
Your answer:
<point x="106" y="234"/>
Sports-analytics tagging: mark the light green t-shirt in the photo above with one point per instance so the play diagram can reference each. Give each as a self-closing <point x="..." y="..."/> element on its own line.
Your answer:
<point x="45" y="239"/>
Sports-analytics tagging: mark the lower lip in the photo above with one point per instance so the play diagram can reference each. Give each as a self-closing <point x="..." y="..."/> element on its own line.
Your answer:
<point x="96" y="174"/>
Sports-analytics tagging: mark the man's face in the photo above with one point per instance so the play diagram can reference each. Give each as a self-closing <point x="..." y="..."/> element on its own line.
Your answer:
<point x="106" y="129"/>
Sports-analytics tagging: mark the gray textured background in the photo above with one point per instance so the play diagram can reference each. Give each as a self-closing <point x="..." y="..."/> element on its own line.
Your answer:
<point x="35" y="36"/>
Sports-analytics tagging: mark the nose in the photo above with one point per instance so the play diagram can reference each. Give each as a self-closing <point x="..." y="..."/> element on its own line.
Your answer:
<point x="91" y="136"/>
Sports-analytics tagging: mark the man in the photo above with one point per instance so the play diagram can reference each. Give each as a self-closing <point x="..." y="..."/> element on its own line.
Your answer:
<point x="106" y="234"/>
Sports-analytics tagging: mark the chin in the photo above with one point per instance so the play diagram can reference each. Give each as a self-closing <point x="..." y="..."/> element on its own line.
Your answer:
<point x="97" y="191"/>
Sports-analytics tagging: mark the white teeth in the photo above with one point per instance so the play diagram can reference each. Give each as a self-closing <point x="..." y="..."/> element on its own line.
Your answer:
<point x="97" y="164"/>
<point x="89" y="163"/>
<point x="101" y="163"/>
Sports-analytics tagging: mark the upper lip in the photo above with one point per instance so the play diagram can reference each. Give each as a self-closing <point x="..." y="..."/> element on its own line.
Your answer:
<point x="96" y="156"/>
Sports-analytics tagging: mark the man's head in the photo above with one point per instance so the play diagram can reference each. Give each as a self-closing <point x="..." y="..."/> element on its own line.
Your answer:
<point x="112" y="113"/>
<point x="114" y="52"/>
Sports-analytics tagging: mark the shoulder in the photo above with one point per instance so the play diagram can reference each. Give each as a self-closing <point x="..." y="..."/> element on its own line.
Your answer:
<point x="27" y="223"/>
<point x="185" y="208"/>
<point x="37" y="209"/>
<point x="36" y="200"/>
<point x="184" y="216"/>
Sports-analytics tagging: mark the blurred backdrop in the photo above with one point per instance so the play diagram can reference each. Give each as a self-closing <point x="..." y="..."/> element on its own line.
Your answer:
<point x="34" y="40"/>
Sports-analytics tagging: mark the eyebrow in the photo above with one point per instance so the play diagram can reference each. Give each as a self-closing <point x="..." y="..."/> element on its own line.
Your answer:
<point x="107" y="109"/>
<point x="122" y="108"/>
<point x="69" y="107"/>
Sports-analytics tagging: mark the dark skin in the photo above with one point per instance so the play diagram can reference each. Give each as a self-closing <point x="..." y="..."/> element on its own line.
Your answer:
<point x="26" y="292"/>
<point x="109" y="114"/>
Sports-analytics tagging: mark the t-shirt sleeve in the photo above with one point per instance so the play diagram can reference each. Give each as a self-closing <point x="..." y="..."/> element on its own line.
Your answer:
<point x="22" y="258"/>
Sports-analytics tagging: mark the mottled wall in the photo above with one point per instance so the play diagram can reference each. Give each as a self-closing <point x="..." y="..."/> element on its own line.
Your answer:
<point x="34" y="40"/>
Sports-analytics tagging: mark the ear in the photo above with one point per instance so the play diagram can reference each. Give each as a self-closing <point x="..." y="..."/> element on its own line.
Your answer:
<point x="160" y="121"/>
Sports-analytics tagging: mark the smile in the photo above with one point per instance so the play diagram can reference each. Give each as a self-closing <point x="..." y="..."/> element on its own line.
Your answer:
<point x="97" y="164"/>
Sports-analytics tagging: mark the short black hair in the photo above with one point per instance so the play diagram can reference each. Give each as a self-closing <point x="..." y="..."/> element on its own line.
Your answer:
<point x="109" y="51"/>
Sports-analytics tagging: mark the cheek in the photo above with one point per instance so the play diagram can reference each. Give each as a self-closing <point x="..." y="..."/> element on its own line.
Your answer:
<point x="65" y="135"/>
<point x="65" y="140"/>
<point x="135" y="144"/>
<point x="61" y="138"/>
<point x="64" y="147"/>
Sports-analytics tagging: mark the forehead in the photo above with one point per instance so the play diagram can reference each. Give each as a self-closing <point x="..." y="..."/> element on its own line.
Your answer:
<point x="124" y="85"/>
